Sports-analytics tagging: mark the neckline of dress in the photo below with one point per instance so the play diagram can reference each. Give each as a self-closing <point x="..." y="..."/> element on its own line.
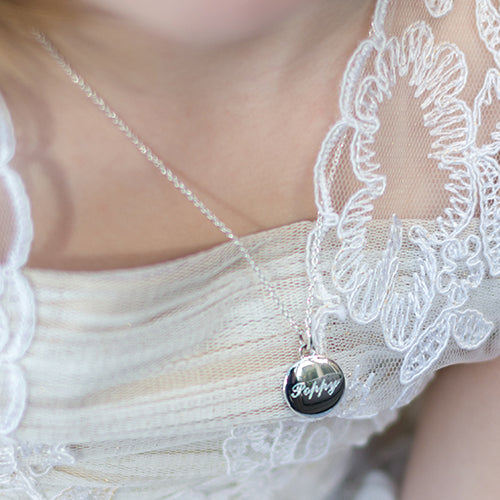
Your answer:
<point x="250" y="240"/>
<point x="253" y="240"/>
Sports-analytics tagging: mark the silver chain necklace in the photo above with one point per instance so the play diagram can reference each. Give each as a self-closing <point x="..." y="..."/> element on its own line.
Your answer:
<point x="313" y="385"/>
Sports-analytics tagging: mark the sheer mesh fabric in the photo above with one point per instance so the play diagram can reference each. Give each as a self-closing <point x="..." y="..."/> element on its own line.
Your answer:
<point x="165" y="381"/>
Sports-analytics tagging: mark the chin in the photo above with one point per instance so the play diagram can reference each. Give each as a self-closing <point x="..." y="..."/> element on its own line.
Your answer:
<point x="204" y="22"/>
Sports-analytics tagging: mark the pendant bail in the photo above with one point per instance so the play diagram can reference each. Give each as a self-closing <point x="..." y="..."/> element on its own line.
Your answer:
<point x="307" y="348"/>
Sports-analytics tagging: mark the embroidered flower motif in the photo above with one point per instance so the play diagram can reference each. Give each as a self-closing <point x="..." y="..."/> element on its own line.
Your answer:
<point x="289" y="442"/>
<point x="438" y="74"/>
<point x="404" y="313"/>
<point x="439" y="8"/>
<point x="462" y="269"/>
<point x="468" y="328"/>
<point x="8" y="463"/>
<point x="380" y="290"/>
<point x="485" y="158"/>
<point x="354" y="402"/>
<point x="39" y="459"/>
<point x="248" y="446"/>
<point x="488" y="25"/>
<point x="21" y="464"/>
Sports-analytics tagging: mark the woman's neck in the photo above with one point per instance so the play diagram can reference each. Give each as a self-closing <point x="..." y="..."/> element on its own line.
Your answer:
<point x="240" y="123"/>
<point x="126" y="55"/>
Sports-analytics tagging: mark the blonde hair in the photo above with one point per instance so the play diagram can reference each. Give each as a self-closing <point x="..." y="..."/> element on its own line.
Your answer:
<point x="22" y="15"/>
<point x="17" y="20"/>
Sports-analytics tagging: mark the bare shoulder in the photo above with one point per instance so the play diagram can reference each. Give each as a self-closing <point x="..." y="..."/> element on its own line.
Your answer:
<point x="456" y="450"/>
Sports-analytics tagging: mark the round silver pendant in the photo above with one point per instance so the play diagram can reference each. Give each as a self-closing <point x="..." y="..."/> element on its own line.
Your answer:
<point x="313" y="385"/>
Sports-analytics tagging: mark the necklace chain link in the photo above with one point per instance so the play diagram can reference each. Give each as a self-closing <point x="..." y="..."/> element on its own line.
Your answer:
<point x="304" y="333"/>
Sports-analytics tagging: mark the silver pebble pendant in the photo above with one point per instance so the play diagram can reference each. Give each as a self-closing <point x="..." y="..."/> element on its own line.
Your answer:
<point x="313" y="385"/>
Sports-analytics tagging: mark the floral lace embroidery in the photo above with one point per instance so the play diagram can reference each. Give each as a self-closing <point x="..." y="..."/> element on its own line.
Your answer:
<point x="483" y="156"/>
<point x="271" y="445"/>
<point x="488" y="27"/>
<point x="21" y="464"/>
<point x="78" y="493"/>
<point x="462" y="269"/>
<point x="439" y="8"/>
<point x="448" y="264"/>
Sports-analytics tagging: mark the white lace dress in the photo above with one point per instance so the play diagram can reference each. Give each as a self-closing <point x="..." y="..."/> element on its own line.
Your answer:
<point x="165" y="382"/>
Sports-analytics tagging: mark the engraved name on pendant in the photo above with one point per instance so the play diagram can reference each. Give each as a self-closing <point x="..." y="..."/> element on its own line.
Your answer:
<point x="313" y="386"/>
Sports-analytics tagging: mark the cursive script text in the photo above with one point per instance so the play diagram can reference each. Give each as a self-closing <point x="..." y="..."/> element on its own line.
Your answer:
<point x="314" y="390"/>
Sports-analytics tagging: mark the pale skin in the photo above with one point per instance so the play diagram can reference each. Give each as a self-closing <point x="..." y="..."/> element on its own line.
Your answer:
<point x="223" y="93"/>
<point x="203" y="106"/>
